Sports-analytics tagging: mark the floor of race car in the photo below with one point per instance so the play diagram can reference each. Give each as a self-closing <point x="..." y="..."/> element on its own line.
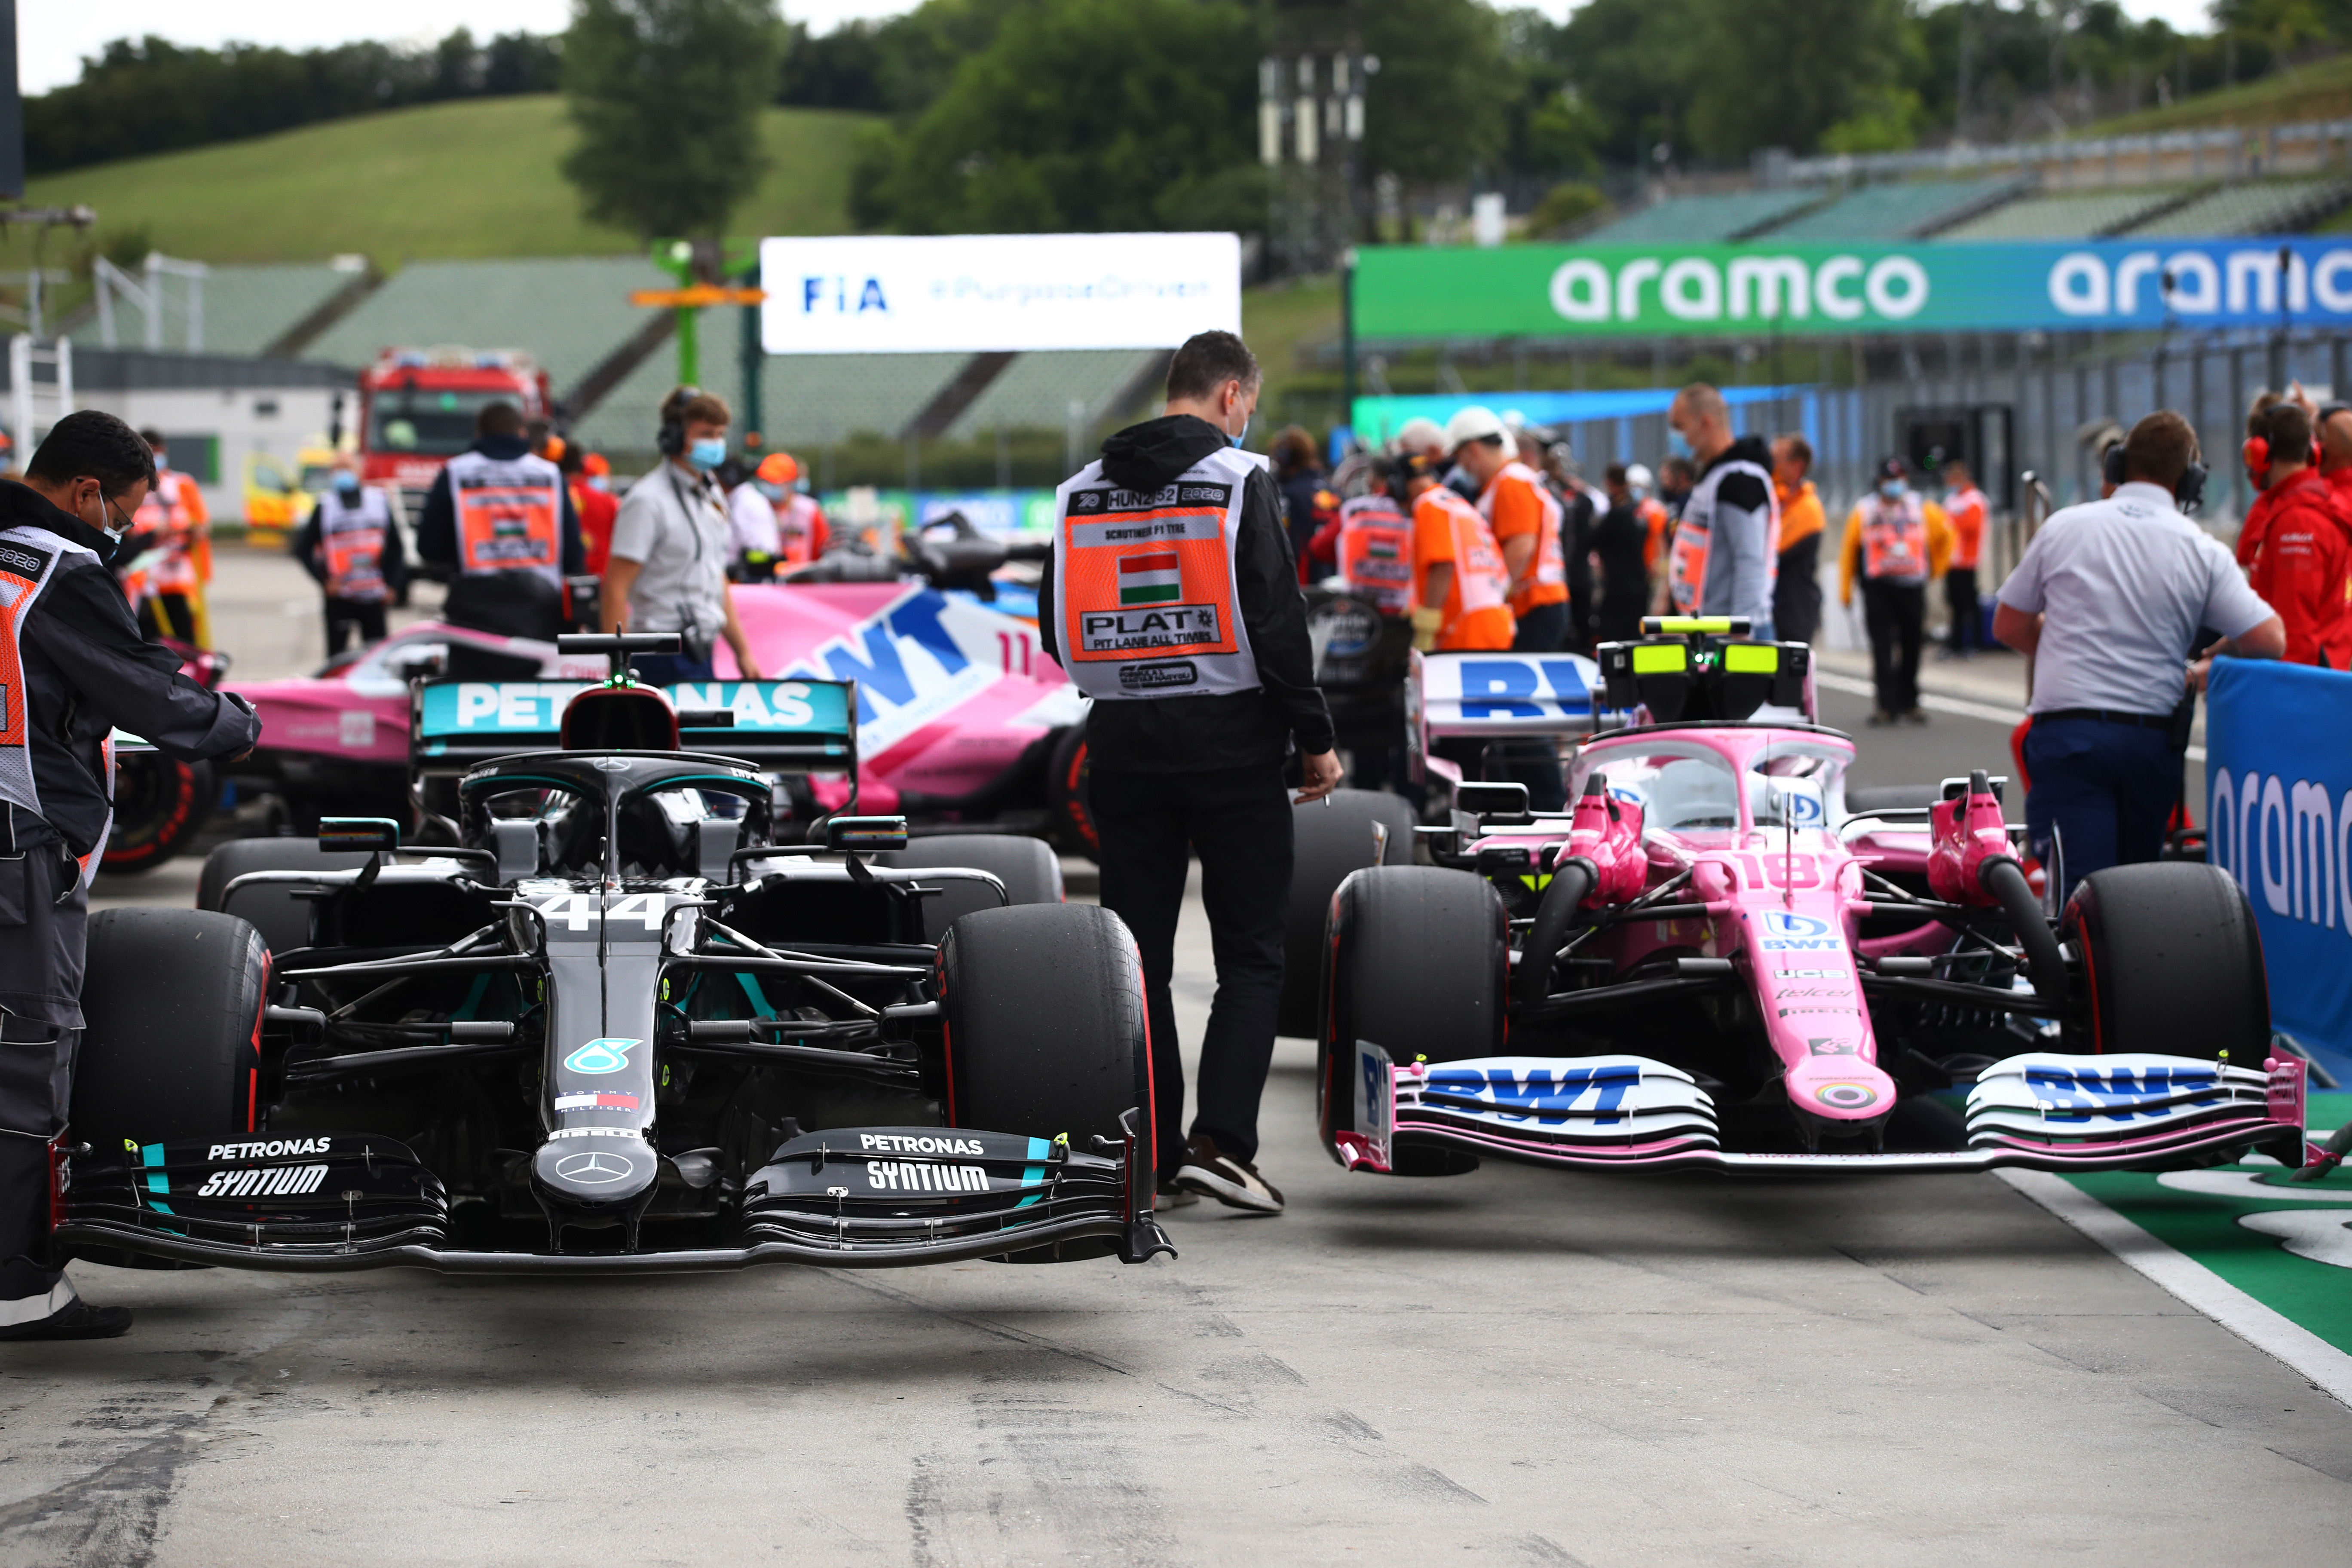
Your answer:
<point x="1516" y="1366"/>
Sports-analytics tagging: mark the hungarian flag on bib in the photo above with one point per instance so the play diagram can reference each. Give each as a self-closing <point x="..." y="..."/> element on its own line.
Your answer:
<point x="1149" y="580"/>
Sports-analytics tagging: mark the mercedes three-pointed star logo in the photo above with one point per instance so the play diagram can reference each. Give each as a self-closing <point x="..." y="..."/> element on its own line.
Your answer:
<point x="598" y="1169"/>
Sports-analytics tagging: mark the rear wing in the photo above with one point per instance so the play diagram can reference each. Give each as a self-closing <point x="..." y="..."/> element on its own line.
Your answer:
<point x="1493" y="694"/>
<point x="778" y="726"/>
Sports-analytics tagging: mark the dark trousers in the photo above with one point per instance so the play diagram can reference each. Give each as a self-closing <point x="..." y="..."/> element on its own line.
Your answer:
<point x="1968" y="618"/>
<point x="670" y="668"/>
<point x="1896" y="615"/>
<point x="359" y="617"/>
<point x="2107" y="788"/>
<point x="1797" y="591"/>
<point x="41" y="954"/>
<point x="1237" y="820"/>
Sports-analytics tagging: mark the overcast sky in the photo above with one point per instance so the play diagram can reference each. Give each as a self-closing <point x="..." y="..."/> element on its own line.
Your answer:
<point x="53" y="35"/>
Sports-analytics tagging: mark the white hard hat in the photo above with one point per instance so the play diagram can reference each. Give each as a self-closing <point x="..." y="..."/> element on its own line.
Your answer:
<point x="1421" y="436"/>
<point x="1476" y="423"/>
<point x="1639" y="478"/>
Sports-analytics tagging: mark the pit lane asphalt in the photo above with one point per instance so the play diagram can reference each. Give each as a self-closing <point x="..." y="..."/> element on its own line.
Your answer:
<point x="1512" y="1366"/>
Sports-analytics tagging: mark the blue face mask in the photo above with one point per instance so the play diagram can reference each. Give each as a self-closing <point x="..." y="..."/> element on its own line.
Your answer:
<point x="1236" y="440"/>
<point x="347" y="484"/>
<point x="1677" y="444"/>
<point x="1891" y="488"/>
<point x="706" y="453"/>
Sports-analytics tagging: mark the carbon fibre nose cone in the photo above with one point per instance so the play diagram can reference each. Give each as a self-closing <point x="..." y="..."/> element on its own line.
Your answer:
<point x="594" y="1179"/>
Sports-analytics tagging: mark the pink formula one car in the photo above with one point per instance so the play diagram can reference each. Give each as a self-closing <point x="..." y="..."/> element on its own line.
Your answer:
<point x="961" y="715"/>
<point x="1709" y="961"/>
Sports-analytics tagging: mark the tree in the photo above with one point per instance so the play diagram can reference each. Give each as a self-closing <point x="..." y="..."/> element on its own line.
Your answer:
<point x="666" y="95"/>
<point x="1079" y="115"/>
<point x="1436" y="109"/>
<point x="1782" y="72"/>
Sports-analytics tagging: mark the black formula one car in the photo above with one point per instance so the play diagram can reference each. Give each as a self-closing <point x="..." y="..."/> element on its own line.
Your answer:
<point x="620" y="1029"/>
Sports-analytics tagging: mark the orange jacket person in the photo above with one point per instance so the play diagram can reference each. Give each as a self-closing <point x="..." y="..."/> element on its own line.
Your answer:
<point x="1524" y="519"/>
<point x="1796" y="587"/>
<point x="1459" y="583"/>
<point x="1968" y="510"/>
<point x="174" y="520"/>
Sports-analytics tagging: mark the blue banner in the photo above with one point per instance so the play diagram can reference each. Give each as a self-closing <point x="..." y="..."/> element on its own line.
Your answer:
<point x="2278" y="784"/>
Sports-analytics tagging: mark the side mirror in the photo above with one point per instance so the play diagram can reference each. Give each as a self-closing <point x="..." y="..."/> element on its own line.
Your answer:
<point x="865" y="835"/>
<point x="358" y="835"/>
<point x="1507" y="802"/>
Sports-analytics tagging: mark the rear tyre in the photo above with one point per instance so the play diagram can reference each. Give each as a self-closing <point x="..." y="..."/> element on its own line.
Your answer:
<point x="283" y="920"/>
<point x="1046" y="1033"/>
<point x="1031" y="873"/>
<point x="1418" y="958"/>
<point x="1360" y="827"/>
<point x="2172" y="963"/>
<point x="171" y="1052"/>
<point x="160" y="804"/>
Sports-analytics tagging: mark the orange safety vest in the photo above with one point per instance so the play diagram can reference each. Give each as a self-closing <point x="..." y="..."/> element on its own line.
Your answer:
<point x="1477" y="616"/>
<point x="1895" y="542"/>
<point x="1548" y="584"/>
<point x="1967" y="508"/>
<point x="510" y="514"/>
<point x="1376" y="553"/>
<point x="1151" y="602"/>
<point x="1655" y="521"/>
<point x="28" y="559"/>
<point x="352" y="540"/>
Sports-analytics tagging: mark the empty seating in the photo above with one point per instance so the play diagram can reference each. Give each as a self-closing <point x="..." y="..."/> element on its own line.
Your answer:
<point x="1909" y="210"/>
<point x="567" y="312"/>
<point x="1703" y="220"/>
<point x="2264" y="206"/>
<point x="2069" y="215"/>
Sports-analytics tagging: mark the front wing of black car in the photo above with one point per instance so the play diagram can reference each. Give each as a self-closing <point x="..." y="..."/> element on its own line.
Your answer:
<point x="842" y="1198"/>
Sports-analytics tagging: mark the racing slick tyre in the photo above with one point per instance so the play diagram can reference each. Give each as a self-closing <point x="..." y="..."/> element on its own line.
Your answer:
<point x="1046" y="1034"/>
<point x="1416" y="964"/>
<point x="1066" y="795"/>
<point x="1360" y="827"/>
<point x="160" y="804"/>
<point x="170" y="1051"/>
<point x="283" y="920"/>
<point x="1028" y="868"/>
<point x="2172" y="963"/>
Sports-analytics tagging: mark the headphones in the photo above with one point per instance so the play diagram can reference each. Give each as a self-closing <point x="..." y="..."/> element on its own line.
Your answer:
<point x="671" y="440"/>
<point x="2256" y="452"/>
<point x="2188" y="490"/>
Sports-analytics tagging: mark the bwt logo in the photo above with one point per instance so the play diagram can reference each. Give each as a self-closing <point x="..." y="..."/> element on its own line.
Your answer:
<point x="2289" y="844"/>
<point x="835" y="295"/>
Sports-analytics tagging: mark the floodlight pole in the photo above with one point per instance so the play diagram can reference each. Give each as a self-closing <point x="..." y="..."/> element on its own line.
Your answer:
<point x="1347" y="336"/>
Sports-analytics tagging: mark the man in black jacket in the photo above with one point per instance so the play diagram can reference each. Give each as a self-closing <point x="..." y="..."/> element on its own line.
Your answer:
<point x="1174" y="601"/>
<point x="498" y="526"/>
<point x="82" y="669"/>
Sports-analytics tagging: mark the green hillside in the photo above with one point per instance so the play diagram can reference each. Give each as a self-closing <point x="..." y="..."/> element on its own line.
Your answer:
<point x="2319" y="90"/>
<point x="476" y="177"/>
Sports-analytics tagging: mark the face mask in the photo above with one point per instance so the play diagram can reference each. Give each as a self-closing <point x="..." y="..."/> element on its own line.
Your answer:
<point x="1891" y="489"/>
<point x="1237" y="437"/>
<point x="773" y="492"/>
<point x="706" y="453"/>
<point x="1677" y="444"/>
<point x="347" y="484"/>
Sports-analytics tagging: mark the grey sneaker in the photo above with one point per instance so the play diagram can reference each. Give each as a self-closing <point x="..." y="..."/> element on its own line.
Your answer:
<point x="1171" y="1197"/>
<point x="1233" y="1182"/>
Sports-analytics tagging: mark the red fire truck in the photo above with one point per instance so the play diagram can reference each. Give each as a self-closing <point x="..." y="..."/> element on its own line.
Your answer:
<point x="417" y="408"/>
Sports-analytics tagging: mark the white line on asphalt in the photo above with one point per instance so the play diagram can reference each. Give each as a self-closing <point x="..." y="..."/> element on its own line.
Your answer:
<point x="2327" y="1367"/>
<point x="1935" y="702"/>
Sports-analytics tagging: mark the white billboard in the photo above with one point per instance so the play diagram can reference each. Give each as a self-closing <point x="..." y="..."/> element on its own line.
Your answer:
<point x="978" y="293"/>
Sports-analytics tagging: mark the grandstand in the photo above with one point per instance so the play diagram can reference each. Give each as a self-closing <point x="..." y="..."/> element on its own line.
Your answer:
<point x="1035" y="391"/>
<point x="2073" y="215"/>
<point x="1704" y="219"/>
<point x="2268" y="206"/>
<point x="1909" y="210"/>
<point x="569" y="312"/>
<point x="807" y="400"/>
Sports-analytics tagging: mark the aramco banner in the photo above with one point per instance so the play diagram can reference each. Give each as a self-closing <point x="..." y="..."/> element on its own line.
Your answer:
<point x="1759" y="289"/>
<point x="2278" y="787"/>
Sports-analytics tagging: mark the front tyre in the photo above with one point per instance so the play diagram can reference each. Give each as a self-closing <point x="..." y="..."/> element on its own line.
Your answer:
<point x="2172" y="963"/>
<point x="1359" y="828"/>
<point x="1031" y="873"/>
<point x="1046" y="1034"/>
<point x="1415" y="964"/>
<point x="160" y="804"/>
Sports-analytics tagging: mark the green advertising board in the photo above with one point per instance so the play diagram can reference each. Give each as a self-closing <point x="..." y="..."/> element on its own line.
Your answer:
<point x="1761" y="290"/>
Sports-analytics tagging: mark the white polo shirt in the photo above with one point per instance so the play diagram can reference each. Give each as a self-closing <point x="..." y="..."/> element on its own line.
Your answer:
<point x="677" y="526"/>
<point x="2124" y="584"/>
